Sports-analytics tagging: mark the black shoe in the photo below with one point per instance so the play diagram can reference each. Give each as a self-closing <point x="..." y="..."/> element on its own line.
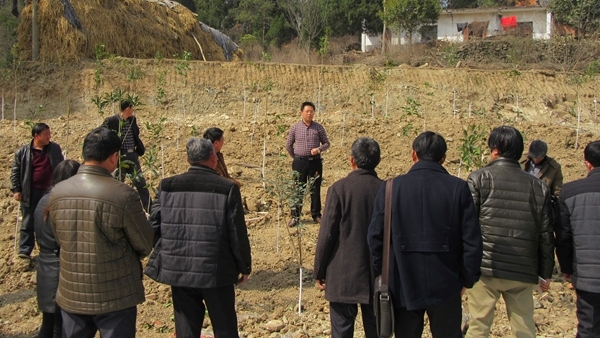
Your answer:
<point x="292" y="223"/>
<point x="24" y="256"/>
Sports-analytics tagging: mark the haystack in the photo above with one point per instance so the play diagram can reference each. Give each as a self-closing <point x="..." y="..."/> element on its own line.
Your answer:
<point x="128" y="28"/>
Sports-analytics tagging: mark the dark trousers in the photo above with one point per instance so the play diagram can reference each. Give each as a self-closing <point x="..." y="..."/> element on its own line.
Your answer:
<point x="343" y="315"/>
<point x="51" y="325"/>
<point x="588" y="314"/>
<point x="27" y="239"/>
<point x="189" y="307"/>
<point x="444" y="321"/>
<point x="139" y="182"/>
<point x="117" y="324"/>
<point x="309" y="169"/>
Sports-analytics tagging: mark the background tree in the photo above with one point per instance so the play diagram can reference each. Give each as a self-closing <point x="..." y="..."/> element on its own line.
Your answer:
<point x="581" y="14"/>
<point x="408" y="15"/>
<point x="256" y="17"/>
<point x="8" y="33"/>
<point x="190" y="4"/>
<point x="215" y="13"/>
<point x="352" y="17"/>
<point x="307" y="18"/>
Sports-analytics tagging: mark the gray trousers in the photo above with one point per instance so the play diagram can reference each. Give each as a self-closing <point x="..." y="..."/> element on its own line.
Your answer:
<point x="117" y="324"/>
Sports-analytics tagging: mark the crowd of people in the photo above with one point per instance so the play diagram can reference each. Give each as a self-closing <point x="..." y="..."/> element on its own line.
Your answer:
<point x="495" y="233"/>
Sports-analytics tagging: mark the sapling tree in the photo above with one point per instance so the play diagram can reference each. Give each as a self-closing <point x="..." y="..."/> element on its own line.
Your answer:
<point x="472" y="148"/>
<point x="181" y="67"/>
<point x="155" y="130"/>
<point x="285" y="187"/>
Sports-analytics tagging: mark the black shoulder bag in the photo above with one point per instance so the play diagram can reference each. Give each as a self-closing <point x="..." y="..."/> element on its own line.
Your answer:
<point x="382" y="302"/>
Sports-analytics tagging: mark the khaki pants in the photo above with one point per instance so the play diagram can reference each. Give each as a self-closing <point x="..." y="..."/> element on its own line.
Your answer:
<point x="518" y="297"/>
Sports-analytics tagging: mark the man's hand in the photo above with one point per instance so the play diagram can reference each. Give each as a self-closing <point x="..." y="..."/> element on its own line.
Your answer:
<point x="462" y="292"/>
<point x="315" y="151"/>
<point x="544" y="285"/>
<point x="320" y="284"/>
<point x="242" y="279"/>
<point x="17" y="196"/>
<point x="567" y="277"/>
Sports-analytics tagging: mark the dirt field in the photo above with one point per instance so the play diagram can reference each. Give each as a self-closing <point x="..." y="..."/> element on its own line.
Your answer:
<point x="255" y="104"/>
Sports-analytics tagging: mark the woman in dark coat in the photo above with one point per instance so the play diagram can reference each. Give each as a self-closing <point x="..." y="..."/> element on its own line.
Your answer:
<point x="48" y="261"/>
<point x="215" y="135"/>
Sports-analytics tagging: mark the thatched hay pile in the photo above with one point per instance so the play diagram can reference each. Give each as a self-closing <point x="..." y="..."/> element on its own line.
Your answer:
<point x="129" y="28"/>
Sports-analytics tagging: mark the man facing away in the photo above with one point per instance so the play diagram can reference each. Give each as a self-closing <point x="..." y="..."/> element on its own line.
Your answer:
<point x="30" y="178"/>
<point x="436" y="245"/>
<point x="578" y="242"/>
<point x="202" y="248"/>
<point x="342" y="259"/>
<point x="103" y="233"/>
<point x="518" y="240"/>
<point x="305" y="142"/>
<point x="132" y="147"/>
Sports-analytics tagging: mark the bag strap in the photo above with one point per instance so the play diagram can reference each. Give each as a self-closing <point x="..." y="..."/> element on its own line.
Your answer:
<point x="387" y="227"/>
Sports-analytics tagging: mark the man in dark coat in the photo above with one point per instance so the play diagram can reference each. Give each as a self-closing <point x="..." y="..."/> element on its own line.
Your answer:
<point x="202" y="248"/>
<point x="342" y="260"/>
<point x="436" y="247"/>
<point x="577" y="242"/>
<point x="132" y="147"/>
<point x="30" y="178"/>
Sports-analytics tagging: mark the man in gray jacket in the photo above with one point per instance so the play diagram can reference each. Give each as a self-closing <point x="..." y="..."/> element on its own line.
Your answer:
<point x="578" y="242"/>
<point x="518" y="250"/>
<point x="103" y="233"/>
<point x="342" y="259"/>
<point x="202" y="248"/>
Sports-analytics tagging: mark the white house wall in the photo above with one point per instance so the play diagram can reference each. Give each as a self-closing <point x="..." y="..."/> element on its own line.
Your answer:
<point x="447" y="22"/>
<point x="446" y="25"/>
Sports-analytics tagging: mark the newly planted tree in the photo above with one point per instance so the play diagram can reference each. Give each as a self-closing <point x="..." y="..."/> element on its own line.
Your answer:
<point x="472" y="148"/>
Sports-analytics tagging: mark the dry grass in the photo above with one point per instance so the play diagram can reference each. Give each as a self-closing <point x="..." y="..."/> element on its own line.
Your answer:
<point x="130" y="28"/>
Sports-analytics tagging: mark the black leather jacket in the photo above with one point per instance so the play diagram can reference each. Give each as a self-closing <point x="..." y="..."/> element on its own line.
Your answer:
<point x="112" y="123"/>
<point x="22" y="168"/>
<point x="513" y="207"/>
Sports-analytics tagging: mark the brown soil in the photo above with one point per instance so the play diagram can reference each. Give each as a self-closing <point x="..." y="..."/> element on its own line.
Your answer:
<point x="255" y="104"/>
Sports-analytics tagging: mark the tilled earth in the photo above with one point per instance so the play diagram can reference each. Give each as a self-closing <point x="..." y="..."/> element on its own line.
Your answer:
<point x="255" y="104"/>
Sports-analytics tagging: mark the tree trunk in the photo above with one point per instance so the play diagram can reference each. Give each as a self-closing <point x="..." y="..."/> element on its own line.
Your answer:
<point x="15" y="8"/>
<point x="35" y="39"/>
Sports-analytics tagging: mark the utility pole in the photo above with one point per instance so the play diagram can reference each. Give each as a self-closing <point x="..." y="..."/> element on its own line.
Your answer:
<point x="384" y="29"/>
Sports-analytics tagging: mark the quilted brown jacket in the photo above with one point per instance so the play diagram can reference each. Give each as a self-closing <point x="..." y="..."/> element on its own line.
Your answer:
<point x="513" y="208"/>
<point x="103" y="232"/>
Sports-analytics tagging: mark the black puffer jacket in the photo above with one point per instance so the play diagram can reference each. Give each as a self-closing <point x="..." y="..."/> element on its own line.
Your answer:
<point x="200" y="231"/>
<point x="578" y="238"/>
<point x="22" y="168"/>
<point x="513" y="207"/>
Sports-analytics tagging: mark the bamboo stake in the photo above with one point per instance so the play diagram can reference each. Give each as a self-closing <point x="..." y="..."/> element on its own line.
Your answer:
<point x="162" y="159"/>
<point x="15" y="115"/>
<point x="454" y="103"/>
<point x="68" y="125"/>
<point x="469" y="109"/>
<point x="199" y="46"/>
<point x="2" y="105"/>
<point x="578" y="123"/>
<point x="387" y="99"/>
<point x="300" y="294"/>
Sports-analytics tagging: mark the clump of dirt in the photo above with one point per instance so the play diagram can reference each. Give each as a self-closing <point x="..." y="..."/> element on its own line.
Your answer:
<point x="255" y="103"/>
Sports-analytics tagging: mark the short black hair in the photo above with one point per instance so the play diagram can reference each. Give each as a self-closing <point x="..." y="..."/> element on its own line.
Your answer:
<point x="38" y="128"/>
<point x="592" y="153"/>
<point x="126" y="104"/>
<point x="538" y="149"/>
<point x="213" y="134"/>
<point x="100" y="144"/>
<point x="307" y="103"/>
<point x="508" y="141"/>
<point x="64" y="170"/>
<point x="366" y="153"/>
<point x="430" y="146"/>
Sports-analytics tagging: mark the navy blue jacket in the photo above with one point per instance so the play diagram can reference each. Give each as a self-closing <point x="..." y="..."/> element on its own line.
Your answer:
<point x="436" y="238"/>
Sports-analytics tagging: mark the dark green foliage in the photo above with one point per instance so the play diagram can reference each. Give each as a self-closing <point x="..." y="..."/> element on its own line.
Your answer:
<point x="8" y="33"/>
<point x="190" y="4"/>
<point x="581" y="14"/>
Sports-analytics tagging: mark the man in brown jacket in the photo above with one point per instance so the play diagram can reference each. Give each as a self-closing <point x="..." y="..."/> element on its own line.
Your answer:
<point x="342" y="260"/>
<point x="103" y="233"/>
<point x="544" y="167"/>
